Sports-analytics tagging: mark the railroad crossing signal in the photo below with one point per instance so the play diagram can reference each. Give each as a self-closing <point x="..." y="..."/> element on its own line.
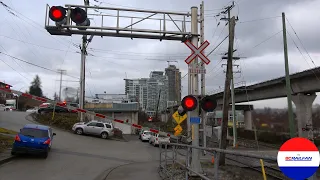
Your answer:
<point x="206" y="103"/>
<point x="197" y="52"/>
<point x="178" y="130"/>
<point x="179" y="118"/>
<point x="77" y="15"/>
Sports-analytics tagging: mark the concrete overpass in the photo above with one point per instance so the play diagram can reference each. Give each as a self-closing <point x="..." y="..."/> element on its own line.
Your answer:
<point x="304" y="85"/>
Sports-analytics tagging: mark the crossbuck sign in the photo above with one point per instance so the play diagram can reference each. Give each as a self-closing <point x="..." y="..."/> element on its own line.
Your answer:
<point x="197" y="52"/>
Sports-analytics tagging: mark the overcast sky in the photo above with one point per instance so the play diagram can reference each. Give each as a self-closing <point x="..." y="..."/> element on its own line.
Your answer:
<point x="112" y="59"/>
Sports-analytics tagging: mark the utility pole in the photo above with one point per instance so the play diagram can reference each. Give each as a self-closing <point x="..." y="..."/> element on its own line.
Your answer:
<point x="61" y="71"/>
<point x="193" y="89"/>
<point x="83" y="69"/>
<point x="233" y="103"/>
<point x="202" y="79"/>
<point x="226" y="96"/>
<point x="288" y="85"/>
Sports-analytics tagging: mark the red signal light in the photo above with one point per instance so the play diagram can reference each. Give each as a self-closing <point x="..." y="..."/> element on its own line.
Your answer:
<point x="79" y="16"/>
<point x="57" y="14"/>
<point x="189" y="103"/>
<point x="7" y="87"/>
<point x="208" y="103"/>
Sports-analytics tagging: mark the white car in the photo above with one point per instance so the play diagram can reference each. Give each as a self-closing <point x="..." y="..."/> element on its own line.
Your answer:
<point x="157" y="139"/>
<point x="33" y="110"/>
<point x="2" y="107"/>
<point x="145" y="136"/>
<point x="94" y="127"/>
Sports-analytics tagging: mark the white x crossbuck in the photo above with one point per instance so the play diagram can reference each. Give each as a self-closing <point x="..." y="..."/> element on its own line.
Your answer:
<point x="197" y="52"/>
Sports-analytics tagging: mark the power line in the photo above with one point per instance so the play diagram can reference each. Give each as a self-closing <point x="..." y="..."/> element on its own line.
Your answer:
<point x="265" y="40"/>
<point x="303" y="56"/>
<point x="34" y="64"/>
<point x="260" y="19"/>
<point x="300" y="41"/>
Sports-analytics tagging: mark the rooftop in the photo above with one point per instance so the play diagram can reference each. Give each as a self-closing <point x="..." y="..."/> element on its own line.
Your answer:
<point x="36" y="126"/>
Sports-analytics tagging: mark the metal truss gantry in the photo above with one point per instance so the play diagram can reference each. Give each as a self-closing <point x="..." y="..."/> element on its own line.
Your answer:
<point x="161" y="33"/>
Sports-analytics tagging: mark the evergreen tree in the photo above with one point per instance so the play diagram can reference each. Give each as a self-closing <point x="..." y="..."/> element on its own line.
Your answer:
<point x="35" y="88"/>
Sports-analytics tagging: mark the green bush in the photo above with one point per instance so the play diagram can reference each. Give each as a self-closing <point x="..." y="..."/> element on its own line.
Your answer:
<point x="61" y="120"/>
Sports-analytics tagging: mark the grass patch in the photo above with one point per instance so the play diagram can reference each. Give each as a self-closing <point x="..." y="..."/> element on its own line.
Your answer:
<point x="64" y="121"/>
<point x="5" y="142"/>
<point x="7" y="131"/>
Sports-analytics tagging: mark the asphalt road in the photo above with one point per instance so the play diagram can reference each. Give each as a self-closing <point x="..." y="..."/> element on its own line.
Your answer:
<point x="75" y="157"/>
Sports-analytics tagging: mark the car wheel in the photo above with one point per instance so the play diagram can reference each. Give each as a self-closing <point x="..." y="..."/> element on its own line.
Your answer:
<point x="45" y="155"/>
<point x="79" y="131"/>
<point x="13" y="153"/>
<point x="104" y="135"/>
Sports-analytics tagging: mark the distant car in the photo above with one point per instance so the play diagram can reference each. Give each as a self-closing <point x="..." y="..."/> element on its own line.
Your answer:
<point x="145" y="136"/>
<point x="152" y="136"/>
<point x="57" y="109"/>
<point x="33" y="110"/>
<point x="33" y="139"/>
<point x="2" y="107"/>
<point x="157" y="139"/>
<point x="99" y="128"/>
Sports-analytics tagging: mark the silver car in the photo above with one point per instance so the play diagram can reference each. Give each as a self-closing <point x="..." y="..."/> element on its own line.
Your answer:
<point x="157" y="139"/>
<point x="102" y="129"/>
<point x="145" y="136"/>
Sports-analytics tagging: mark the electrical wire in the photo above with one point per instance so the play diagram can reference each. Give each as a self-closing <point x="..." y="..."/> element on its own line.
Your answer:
<point x="34" y="64"/>
<point x="265" y="40"/>
<point x="300" y="41"/>
<point x="303" y="56"/>
<point x="260" y="19"/>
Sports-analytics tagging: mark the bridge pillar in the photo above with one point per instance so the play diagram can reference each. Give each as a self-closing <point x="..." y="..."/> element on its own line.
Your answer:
<point x="247" y="120"/>
<point x="303" y="103"/>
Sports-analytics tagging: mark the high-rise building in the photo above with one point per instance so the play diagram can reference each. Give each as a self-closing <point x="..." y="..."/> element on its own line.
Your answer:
<point x="136" y="89"/>
<point x="156" y="84"/>
<point x="174" y="84"/>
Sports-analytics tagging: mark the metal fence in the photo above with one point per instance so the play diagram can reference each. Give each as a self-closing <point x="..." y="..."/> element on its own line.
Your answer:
<point x="175" y="162"/>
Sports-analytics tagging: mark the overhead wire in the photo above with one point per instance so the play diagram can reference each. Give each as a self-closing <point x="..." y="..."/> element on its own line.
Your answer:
<point x="300" y="41"/>
<point x="32" y="64"/>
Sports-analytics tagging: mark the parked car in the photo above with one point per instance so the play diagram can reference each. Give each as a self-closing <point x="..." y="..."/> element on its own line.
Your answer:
<point x="33" y="139"/>
<point x="2" y="107"/>
<point x="57" y="109"/>
<point x="94" y="127"/>
<point x="152" y="136"/>
<point x="33" y="110"/>
<point x="145" y="136"/>
<point x="157" y="139"/>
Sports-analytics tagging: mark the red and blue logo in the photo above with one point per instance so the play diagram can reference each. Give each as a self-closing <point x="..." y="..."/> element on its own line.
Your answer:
<point x="298" y="158"/>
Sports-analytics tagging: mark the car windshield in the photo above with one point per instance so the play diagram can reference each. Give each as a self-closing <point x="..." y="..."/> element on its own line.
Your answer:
<point x="37" y="133"/>
<point x="163" y="136"/>
<point x="147" y="133"/>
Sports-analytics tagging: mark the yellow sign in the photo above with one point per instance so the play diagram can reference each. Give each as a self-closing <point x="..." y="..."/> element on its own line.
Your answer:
<point x="192" y="132"/>
<point x="178" y="130"/>
<point x="179" y="119"/>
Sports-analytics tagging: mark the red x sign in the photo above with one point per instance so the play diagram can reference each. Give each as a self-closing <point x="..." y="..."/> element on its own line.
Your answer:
<point x="197" y="52"/>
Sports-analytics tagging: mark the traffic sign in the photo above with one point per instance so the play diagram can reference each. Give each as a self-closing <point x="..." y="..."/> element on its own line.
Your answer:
<point x="195" y="120"/>
<point x="197" y="52"/>
<point x="178" y="130"/>
<point x="197" y="70"/>
<point x="179" y="119"/>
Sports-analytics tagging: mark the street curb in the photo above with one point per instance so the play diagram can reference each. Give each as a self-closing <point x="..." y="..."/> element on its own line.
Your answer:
<point x="5" y="160"/>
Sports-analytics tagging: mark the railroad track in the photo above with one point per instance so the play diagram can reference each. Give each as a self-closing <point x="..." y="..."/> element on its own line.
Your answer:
<point x="272" y="172"/>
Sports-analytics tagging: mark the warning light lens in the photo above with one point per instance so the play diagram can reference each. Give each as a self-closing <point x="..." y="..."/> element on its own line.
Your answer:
<point x="189" y="103"/>
<point x="208" y="103"/>
<point x="7" y="87"/>
<point x="56" y="13"/>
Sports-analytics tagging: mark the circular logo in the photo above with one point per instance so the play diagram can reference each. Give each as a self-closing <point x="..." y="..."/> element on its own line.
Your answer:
<point x="298" y="158"/>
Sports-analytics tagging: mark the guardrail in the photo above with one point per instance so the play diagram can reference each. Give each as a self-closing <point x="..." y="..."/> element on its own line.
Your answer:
<point x="174" y="164"/>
